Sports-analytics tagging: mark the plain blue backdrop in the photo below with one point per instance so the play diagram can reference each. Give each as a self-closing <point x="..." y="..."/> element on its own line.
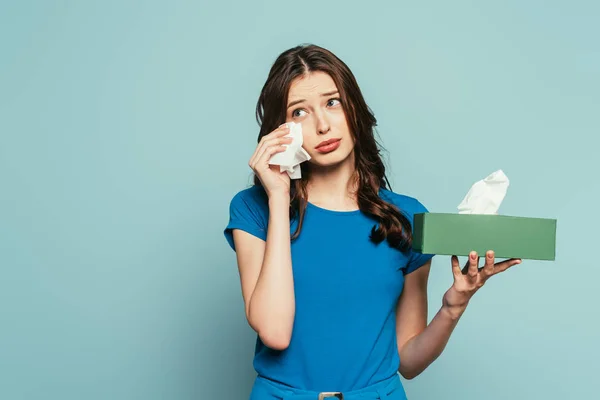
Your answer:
<point x="126" y="128"/>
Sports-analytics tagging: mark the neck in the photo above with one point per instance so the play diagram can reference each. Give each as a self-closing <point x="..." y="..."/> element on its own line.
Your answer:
<point x="334" y="187"/>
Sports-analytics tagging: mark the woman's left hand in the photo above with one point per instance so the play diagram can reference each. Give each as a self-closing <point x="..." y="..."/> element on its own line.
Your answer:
<point x="471" y="278"/>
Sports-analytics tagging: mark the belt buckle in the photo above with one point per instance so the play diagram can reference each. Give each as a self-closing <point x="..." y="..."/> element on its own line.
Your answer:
<point x="337" y="395"/>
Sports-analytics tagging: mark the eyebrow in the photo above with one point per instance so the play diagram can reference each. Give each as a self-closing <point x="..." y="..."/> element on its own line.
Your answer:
<point x="293" y="103"/>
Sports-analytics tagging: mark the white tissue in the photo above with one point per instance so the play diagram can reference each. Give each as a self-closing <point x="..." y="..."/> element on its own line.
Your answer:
<point x="290" y="159"/>
<point x="486" y="195"/>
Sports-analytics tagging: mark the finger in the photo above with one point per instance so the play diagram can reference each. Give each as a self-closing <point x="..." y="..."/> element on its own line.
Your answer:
<point x="275" y="142"/>
<point x="455" y="266"/>
<point x="281" y="131"/>
<point x="488" y="267"/>
<point x="465" y="269"/>
<point x="268" y="153"/>
<point x="504" y="265"/>
<point x="473" y="264"/>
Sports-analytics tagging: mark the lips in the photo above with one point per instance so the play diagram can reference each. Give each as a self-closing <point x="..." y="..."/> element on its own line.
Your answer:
<point x="328" y="146"/>
<point x="327" y="142"/>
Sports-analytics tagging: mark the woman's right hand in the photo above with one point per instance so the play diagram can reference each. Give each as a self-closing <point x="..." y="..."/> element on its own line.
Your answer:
<point x="272" y="180"/>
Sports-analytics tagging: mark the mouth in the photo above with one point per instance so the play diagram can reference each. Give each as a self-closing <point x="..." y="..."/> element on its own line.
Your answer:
<point x="328" y="145"/>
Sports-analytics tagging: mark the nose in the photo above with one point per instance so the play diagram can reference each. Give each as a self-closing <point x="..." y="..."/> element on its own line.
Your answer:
<point x="322" y="124"/>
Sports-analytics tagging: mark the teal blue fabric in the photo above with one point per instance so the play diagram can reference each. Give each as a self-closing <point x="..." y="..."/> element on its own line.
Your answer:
<point x="346" y="288"/>
<point x="389" y="389"/>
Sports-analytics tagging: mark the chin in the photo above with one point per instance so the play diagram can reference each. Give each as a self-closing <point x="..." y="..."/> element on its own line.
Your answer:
<point x="330" y="160"/>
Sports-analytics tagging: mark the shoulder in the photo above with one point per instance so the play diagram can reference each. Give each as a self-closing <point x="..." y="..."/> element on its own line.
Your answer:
<point x="406" y="204"/>
<point x="248" y="211"/>
<point x="409" y="206"/>
<point x="253" y="196"/>
<point x="252" y="200"/>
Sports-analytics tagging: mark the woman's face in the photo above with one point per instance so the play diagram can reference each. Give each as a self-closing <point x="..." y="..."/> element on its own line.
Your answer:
<point x="314" y="101"/>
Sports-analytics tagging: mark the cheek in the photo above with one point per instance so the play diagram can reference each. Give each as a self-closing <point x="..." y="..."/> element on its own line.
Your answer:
<point x="340" y="123"/>
<point x="349" y="144"/>
<point x="308" y="139"/>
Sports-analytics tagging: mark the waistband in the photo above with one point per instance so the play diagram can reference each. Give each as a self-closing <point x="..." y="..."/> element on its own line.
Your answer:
<point x="389" y="389"/>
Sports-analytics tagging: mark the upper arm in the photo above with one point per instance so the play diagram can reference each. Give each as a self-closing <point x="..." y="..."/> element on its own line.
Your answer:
<point x="246" y="233"/>
<point x="411" y="310"/>
<point x="250" y="252"/>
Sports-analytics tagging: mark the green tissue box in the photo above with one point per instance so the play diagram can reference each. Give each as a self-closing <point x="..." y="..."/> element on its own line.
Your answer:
<point x="507" y="236"/>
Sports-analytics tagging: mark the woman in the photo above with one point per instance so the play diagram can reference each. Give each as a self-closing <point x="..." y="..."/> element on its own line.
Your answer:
<point x="329" y="280"/>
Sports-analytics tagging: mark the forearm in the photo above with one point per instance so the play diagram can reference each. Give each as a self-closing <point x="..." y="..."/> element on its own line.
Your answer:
<point x="271" y="307"/>
<point x="423" y="349"/>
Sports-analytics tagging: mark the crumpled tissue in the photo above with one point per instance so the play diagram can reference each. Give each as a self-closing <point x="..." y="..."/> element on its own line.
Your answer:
<point x="486" y="195"/>
<point x="290" y="159"/>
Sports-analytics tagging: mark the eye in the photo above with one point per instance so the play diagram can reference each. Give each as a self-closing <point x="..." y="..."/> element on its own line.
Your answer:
<point x="336" y="99"/>
<point x="295" y="111"/>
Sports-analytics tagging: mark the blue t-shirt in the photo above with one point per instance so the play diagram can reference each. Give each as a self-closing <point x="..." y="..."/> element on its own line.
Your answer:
<point x="346" y="288"/>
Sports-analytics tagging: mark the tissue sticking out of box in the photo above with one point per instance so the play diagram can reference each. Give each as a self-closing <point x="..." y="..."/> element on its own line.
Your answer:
<point x="290" y="159"/>
<point x="486" y="195"/>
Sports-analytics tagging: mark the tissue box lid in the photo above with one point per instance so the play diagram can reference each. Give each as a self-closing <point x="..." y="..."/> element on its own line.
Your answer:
<point x="507" y="236"/>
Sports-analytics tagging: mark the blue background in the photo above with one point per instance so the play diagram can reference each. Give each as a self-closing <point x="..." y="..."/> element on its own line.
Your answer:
<point x="126" y="128"/>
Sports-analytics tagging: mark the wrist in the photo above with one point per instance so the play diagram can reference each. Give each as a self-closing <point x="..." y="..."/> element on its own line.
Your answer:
<point x="453" y="312"/>
<point x="279" y="198"/>
<point x="454" y="303"/>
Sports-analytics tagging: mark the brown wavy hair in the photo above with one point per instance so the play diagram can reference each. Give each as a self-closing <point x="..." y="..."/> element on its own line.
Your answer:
<point x="393" y="225"/>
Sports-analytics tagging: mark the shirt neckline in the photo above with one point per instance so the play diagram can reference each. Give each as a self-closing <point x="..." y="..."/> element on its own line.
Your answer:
<point x="333" y="212"/>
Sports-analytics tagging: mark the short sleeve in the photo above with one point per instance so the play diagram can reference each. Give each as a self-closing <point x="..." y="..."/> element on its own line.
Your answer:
<point x="416" y="259"/>
<point x="247" y="212"/>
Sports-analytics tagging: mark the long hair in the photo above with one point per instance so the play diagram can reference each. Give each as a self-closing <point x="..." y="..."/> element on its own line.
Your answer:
<point x="271" y="112"/>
